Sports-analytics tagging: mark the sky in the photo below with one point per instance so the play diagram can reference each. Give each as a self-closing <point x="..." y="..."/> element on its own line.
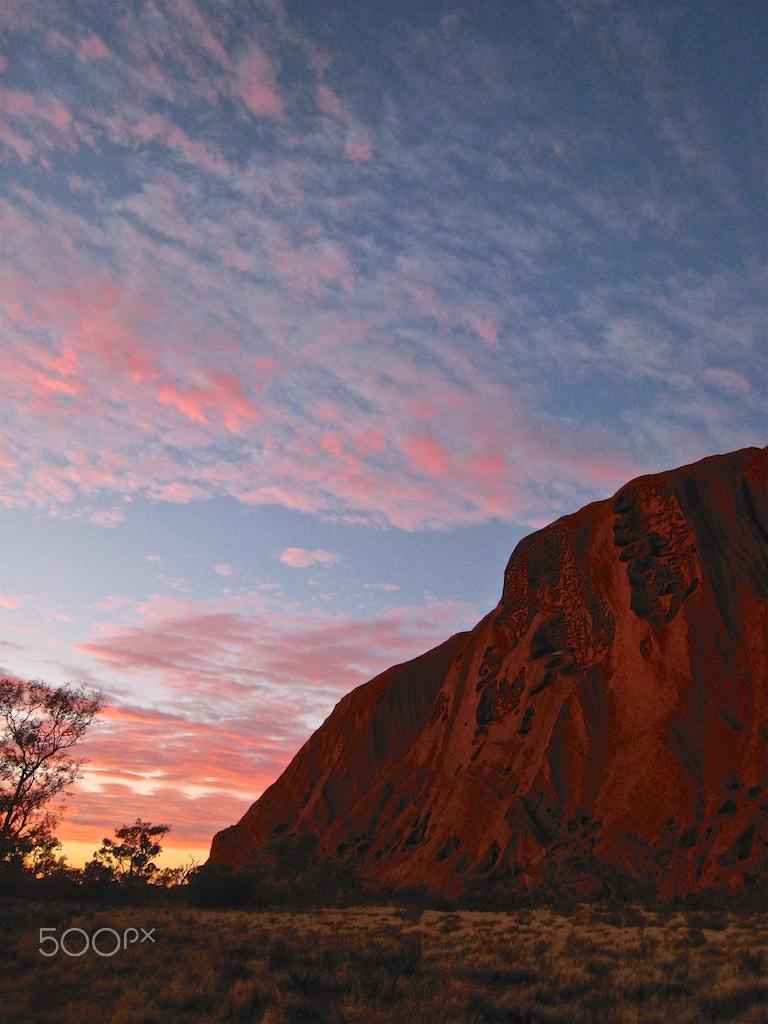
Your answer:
<point x="310" y="312"/>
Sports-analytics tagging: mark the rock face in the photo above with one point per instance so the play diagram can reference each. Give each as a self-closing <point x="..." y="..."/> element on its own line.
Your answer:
<point x="606" y="725"/>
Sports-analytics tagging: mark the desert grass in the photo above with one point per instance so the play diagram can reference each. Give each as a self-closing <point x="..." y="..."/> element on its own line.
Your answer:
<point x="384" y="965"/>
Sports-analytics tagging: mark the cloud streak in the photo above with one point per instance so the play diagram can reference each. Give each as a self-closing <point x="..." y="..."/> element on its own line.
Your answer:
<point x="243" y="647"/>
<point x="300" y="558"/>
<point x="237" y="686"/>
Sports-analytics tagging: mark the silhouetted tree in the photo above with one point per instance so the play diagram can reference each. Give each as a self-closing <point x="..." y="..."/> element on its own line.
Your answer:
<point x="132" y="859"/>
<point x="40" y="725"/>
<point x="44" y="860"/>
<point x="170" y="878"/>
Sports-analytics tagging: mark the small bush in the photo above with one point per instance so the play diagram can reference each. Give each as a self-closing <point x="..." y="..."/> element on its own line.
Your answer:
<point x="412" y="914"/>
<point x="246" y="1003"/>
<point x="410" y="954"/>
<point x="310" y="963"/>
<point x="753" y="963"/>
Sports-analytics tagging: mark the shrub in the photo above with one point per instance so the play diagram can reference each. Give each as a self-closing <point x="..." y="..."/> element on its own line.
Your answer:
<point x="217" y="885"/>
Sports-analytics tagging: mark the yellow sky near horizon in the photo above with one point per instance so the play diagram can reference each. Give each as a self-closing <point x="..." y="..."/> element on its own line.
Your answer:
<point x="77" y="853"/>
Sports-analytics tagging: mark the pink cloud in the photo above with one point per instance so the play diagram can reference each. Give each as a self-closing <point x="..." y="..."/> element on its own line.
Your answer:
<point x="106" y="516"/>
<point x="371" y="442"/>
<point x="222" y="397"/>
<point x="239" y="649"/>
<point x="357" y="145"/>
<point x="426" y="454"/>
<point x="45" y="379"/>
<point x="343" y="332"/>
<point x="329" y="411"/>
<point x="359" y="150"/>
<point x="333" y="444"/>
<point x="189" y="401"/>
<point x="486" y="328"/>
<point x="20" y="105"/>
<point x="92" y="48"/>
<point x="34" y="126"/>
<point x="23" y="147"/>
<point x="300" y="558"/>
<point x="104" y="360"/>
<point x="489" y="466"/>
<point x="142" y="128"/>
<point x="730" y="381"/>
<point x="235" y="408"/>
<point x="263" y="370"/>
<point x="10" y="602"/>
<point x="177" y="493"/>
<point x="330" y="104"/>
<point x="256" y="84"/>
<point x="166" y="767"/>
<point x="313" y="266"/>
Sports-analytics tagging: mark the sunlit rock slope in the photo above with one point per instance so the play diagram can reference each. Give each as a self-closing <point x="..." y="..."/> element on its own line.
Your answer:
<point x="603" y="728"/>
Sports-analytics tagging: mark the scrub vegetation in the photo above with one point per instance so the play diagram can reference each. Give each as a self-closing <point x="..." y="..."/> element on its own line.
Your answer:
<point x="391" y="964"/>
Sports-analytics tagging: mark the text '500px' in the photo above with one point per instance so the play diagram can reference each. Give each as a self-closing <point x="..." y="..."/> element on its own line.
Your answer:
<point x="103" y="942"/>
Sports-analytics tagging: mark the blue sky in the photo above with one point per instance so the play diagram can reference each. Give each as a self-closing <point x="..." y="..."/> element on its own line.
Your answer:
<point x="311" y="311"/>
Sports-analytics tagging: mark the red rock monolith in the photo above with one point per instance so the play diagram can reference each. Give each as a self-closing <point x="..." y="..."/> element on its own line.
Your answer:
<point x="603" y="730"/>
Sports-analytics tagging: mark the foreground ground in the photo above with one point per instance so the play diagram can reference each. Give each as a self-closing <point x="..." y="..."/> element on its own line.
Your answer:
<point x="373" y="965"/>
